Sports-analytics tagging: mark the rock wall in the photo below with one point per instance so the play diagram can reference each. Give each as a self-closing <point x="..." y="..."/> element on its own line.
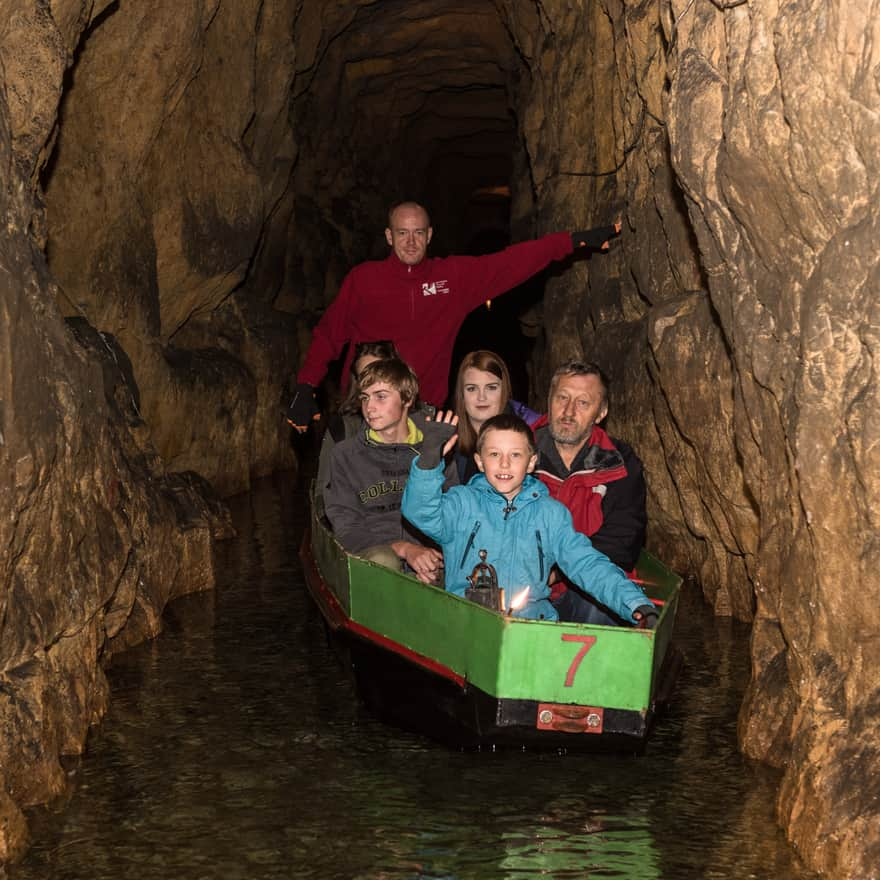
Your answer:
<point x="147" y="152"/>
<point x="172" y="151"/>
<point x="739" y="319"/>
<point x="98" y="537"/>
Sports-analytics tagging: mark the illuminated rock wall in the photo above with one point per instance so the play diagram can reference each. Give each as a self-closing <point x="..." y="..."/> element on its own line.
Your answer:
<point x="739" y="316"/>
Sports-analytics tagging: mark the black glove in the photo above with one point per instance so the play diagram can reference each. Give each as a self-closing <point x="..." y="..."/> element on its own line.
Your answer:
<point x="593" y="238"/>
<point x="646" y="617"/>
<point x="302" y="408"/>
<point x="435" y="436"/>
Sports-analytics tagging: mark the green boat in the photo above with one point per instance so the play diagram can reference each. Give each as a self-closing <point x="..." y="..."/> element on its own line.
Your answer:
<point x="430" y="661"/>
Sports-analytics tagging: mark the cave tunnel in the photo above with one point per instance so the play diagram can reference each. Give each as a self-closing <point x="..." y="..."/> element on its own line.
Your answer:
<point x="188" y="183"/>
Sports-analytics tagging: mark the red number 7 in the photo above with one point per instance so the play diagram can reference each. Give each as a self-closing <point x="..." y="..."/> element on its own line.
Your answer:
<point x="587" y="642"/>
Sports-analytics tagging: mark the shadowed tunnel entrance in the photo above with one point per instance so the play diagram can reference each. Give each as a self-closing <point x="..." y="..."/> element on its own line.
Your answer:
<point x="422" y="95"/>
<point x="414" y="100"/>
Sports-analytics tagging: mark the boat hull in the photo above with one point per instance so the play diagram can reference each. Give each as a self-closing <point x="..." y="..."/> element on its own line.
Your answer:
<point x="432" y="662"/>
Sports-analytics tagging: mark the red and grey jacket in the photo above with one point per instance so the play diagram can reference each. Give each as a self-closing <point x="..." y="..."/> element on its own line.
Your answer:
<point x="604" y="490"/>
<point x="421" y="308"/>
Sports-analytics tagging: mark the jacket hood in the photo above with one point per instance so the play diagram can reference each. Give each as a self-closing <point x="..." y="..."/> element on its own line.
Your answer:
<point x="418" y="417"/>
<point x="599" y="456"/>
<point x="531" y="490"/>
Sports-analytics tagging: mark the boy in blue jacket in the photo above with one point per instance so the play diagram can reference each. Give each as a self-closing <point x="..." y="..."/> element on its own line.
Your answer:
<point x="510" y="514"/>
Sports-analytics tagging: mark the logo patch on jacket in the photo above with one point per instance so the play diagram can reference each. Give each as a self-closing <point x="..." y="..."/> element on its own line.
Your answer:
<point x="433" y="288"/>
<point x="377" y="490"/>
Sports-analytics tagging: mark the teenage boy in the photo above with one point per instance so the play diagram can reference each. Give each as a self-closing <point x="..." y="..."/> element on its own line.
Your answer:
<point x="510" y="514"/>
<point x="369" y="470"/>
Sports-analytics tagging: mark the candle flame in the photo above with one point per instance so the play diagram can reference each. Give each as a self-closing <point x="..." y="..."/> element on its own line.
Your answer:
<point x="519" y="599"/>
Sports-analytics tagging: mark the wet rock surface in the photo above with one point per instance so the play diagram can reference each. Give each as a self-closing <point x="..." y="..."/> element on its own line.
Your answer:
<point x="187" y="183"/>
<point x="755" y="389"/>
<point x="172" y="139"/>
<point x="97" y="535"/>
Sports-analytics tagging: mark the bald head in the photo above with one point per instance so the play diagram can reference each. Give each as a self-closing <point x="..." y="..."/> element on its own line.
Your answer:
<point x="407" y="206"/>
<point x="409" y="232"/>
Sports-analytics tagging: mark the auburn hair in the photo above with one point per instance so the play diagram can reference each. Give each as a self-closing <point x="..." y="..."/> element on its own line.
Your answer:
<point x="488" y="362"/>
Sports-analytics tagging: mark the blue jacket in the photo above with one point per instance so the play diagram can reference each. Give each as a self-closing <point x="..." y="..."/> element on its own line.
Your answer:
<point x="523" y="541"/>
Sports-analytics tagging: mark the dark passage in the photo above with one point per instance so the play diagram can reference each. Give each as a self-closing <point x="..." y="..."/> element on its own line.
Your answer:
<point x="233" y="749"/>
<point x="498" y="326"/>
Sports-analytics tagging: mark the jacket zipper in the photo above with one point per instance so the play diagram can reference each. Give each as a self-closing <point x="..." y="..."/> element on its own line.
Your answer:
<point x="540" y="554"/>
<point x="470" y="543"/>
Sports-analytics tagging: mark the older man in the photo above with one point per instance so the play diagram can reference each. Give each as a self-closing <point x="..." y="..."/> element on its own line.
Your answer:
<point x="598" y="478"/>
<point x="420" y="302"/>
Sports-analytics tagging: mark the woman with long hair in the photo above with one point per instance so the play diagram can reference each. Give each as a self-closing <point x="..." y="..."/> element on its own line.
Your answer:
<point x="482" y="390"/>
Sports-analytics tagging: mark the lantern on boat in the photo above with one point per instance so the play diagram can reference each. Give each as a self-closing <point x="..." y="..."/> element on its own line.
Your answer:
<point x="484" y="589"/>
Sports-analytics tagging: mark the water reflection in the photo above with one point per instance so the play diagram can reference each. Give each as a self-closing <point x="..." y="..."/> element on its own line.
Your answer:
<point x="608" y="846"/>
<point x="234" y="749"/>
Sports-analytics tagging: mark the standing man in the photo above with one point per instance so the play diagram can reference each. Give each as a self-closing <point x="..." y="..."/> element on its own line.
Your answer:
<point x="420" y="302"/>
<point x="597" y="477"/>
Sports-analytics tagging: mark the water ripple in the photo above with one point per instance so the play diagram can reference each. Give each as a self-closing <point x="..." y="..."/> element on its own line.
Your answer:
<point x="234" y="749"/>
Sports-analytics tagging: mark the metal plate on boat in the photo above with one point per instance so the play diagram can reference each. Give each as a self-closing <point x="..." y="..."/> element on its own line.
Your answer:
<point x="570" y="719"/>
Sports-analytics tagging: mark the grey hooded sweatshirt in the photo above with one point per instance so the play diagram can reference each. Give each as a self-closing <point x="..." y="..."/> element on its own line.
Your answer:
<point x="366" y="486"/>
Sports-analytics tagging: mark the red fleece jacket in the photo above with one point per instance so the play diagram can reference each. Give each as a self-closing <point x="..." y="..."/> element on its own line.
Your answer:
<point x="421" y="308"/>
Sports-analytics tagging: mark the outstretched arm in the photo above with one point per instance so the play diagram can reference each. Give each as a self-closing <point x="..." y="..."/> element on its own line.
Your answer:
<point x="488" y="276"/>
<point x="598" y="238"/>
<point x="493" y="274"/>
<point x="594" y="572"/>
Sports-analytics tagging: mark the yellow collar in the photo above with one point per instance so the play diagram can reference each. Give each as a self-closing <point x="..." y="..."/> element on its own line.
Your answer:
<point x="413" y="434"/>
